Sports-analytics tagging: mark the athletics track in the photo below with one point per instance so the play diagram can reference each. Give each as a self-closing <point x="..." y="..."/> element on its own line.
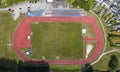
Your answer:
<point x="24" y="29"/>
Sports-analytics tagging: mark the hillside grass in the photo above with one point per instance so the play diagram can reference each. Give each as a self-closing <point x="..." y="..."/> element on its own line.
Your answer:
<point x="7" y="28"/>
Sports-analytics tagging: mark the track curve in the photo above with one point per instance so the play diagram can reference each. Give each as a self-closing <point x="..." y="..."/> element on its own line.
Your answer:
<point x="24" y="29"/>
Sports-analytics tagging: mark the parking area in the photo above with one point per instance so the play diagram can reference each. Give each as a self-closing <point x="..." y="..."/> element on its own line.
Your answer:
<point x="20" y="8"/>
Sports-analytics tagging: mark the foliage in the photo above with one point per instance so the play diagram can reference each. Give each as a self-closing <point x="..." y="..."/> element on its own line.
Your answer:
<point x="112" y="22"/>
<point x="87" y="68"/>
<point x="82" y="4"/>
<point x="10" y="2"/>
<point x="113" y="64"/>
<point x="91" y="3"/>
<point x="7" y="65"/>
<point x="70" y="1"/>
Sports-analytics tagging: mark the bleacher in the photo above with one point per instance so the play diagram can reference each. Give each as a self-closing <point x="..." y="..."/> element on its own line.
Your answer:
<point x="58" y="12"/>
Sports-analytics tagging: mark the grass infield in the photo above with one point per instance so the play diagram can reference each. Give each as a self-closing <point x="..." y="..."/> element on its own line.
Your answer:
<point x="57" y="39"/>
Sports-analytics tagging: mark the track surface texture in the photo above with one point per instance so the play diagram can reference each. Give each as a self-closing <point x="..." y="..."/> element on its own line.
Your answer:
<point x="24" y="29"/>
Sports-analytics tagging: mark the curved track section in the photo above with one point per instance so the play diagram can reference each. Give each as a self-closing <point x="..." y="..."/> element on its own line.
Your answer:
<point x="24" y="29"/>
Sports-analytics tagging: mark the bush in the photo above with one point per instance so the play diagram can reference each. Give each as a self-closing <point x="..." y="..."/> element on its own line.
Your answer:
<point x="82" y="4"/>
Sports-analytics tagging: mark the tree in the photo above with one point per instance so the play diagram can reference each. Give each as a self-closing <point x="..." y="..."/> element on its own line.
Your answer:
<point x="7" y="65"/>
<point x="113" y="64"/>
<point x="70" y="1"/>
<point x="87" y="68"/>
<point x="91" y="3"/>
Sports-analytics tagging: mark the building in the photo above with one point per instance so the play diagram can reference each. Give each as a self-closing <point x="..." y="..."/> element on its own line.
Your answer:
<point x="113" y="6"/>
<point x="117" y="26"/>
<point x="99" y="1"/>
<point x="49" y="1"/>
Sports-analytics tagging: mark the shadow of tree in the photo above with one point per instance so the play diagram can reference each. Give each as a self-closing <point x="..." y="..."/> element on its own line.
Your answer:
<point x="8" y="65"/>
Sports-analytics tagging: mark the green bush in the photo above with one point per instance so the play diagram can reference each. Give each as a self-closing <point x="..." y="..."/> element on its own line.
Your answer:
<point x="82" y="4"/>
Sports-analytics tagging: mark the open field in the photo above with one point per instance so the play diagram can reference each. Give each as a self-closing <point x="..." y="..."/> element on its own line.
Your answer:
<point x="57" y="39"/>
<point x="65" y="68"/>
<point x="115" y="39"/>
<point x="7" y="27"/>
<point x="103" y="63"/>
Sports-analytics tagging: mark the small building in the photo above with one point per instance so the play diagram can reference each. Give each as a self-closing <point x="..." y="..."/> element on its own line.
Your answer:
<point x="117" y="26"/>
<point x="49" y="1"/>
<point x="107" y="3"/>
<point x="83" y="31"/>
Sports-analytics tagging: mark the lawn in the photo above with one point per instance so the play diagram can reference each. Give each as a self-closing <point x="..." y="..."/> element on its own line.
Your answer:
<point x="57" y="39"/>
<point x="103" y="63"/>
<point x="65" y="68"/>
<point x="7" y="27"/>
<point x="115" y="39"/>
<point x="6" y="3"/>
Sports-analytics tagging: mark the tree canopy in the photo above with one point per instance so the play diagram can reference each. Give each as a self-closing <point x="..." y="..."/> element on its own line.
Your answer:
<point x="113" y="64"/>
<point x="7" y="65"/>
<point x="82" y="4"/>
<point x="70" y="1"/>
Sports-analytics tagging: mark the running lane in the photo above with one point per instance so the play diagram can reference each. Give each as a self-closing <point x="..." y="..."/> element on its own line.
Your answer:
<point x="24" y="29"/>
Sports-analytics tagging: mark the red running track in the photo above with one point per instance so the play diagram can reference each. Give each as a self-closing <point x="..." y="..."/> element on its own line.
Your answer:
<point x="24" y="29"/>
<point x="89" y="39"/>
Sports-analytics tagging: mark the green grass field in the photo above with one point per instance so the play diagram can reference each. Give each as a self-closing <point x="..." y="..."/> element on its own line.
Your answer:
<point x="103" y="63"/>
<point x="57" y="39"/>
<point x="7" y="27"/>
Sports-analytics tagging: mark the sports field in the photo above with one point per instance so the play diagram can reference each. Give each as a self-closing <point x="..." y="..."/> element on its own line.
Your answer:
<point x="57" y="39"/>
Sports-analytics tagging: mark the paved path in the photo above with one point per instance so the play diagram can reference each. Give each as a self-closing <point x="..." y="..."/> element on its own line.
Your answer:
<point x="20" y="40"/>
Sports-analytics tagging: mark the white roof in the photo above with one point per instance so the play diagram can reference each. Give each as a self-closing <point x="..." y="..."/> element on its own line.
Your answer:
<point x="49" y="0"/>
<point x="83" y="31"/>
<point x="28" y="37"/>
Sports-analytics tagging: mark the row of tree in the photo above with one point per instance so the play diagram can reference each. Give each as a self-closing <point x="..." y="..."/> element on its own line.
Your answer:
<point x="7" y="65"/>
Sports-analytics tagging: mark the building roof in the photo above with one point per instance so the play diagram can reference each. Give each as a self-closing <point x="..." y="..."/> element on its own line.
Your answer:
<point x="117" y="26"/>
<point x="99" y="1"/>
<point x="115" y="9"/>
<point x="49" y="0"/>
